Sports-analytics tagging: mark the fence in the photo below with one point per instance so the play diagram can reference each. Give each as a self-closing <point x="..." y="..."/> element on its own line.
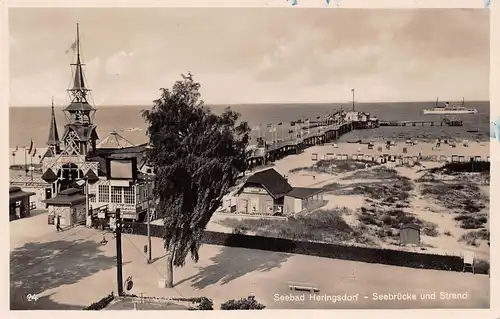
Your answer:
<point x="355" y="253"/>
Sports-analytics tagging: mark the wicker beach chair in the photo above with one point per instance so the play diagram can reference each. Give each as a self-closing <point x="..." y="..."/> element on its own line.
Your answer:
<point x="468" y="257"/>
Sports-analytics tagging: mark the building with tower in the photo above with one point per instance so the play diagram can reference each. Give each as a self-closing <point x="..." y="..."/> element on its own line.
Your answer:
<point x="113" y="172"/>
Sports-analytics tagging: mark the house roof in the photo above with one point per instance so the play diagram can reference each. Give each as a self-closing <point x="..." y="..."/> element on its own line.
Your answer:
<point x="303" y="192"/>
<point x="271" y="180"/>
<point x="16" y="193"/>
<point x="68" y="197"/>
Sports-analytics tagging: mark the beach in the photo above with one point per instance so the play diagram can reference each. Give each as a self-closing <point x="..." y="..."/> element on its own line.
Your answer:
<point x="448" y="236"/>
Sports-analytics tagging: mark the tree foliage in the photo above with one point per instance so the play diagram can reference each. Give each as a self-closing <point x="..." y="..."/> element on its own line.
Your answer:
<point x="197" y="156"/>
<point x="243" y="304"/>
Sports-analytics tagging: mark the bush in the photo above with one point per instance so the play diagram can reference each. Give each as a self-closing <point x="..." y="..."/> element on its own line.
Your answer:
<point x="471" y="238"/>
<point x="243" y="304"/>
<point x="101" y="304"/>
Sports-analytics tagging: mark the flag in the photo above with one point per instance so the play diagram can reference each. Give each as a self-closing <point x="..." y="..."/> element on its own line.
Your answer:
<point x="17" y="148"/>
<point x="280" y="123"/>
<point x="72" y="48"/>
<point x="34" y="152"/>
<point x="318" y="117"/>
<point x="31" y="147"/>
<point x="352" y="90"/>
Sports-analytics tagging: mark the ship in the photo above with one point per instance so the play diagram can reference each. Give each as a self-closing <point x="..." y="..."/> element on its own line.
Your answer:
<point x="450" y="109"/>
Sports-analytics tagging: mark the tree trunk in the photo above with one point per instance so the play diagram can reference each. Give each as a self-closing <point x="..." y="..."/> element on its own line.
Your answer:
<point x="170" y="269"/>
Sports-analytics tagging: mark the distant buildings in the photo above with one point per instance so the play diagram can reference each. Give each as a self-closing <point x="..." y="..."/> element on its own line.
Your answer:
<point x="269" y="193"/>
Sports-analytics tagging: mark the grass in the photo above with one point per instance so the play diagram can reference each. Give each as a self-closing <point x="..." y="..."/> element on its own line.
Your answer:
<point x="469" y="221"/>
<point x="473" y="238"/>
<point x="321" y="225"/>
<point x="335" y="166"/>
<point x="382" y="173"/>
<point x="393" y="220"/>
<point x="461" y="196"/>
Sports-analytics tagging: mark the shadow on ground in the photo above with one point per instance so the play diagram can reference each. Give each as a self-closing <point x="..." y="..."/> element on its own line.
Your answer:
<point x="44" y="302"/>
<point x="229" y="265"/>
<point x="36" y="267"/>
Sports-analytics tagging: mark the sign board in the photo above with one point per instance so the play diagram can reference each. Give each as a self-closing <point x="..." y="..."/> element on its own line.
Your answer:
<point x="101" y="214"/>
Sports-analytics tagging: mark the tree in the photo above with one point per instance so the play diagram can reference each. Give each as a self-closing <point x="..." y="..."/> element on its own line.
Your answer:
<point x="197" y="156"/>
<point x="243" y="304"/>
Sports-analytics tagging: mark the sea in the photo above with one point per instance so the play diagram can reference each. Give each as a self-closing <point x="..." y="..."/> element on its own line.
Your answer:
<point x="32" y="123"/>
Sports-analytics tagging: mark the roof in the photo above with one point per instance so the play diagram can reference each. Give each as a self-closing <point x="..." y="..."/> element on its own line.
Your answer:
<point x="16" y="193"/>
<point x="101" y="154"/>
<point x="114" y="141"/>
<point x="84" y="132"/>
<point x="68" y="197"/>
<point x="53" y="134"/>
<point x="79" y="106"/>
<point x="49" y="176"/>
<point x="303" y="192"/>
<point x="276" y="185"/>
<point x="410" y="226"/>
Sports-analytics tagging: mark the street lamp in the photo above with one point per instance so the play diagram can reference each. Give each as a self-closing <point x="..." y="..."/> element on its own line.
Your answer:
<point x="119" y="264"/>
<point x="149" y="183"/>
<point x="81" y="182"/>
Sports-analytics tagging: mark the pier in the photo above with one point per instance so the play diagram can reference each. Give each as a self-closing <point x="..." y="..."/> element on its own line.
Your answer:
<point x="445" y="121"/>
<point x="267" y="151"/>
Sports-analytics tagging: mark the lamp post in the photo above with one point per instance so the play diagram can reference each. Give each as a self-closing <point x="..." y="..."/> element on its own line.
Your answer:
<point x="149" y="184"/>
<point x="84" y="181"/>
<point x="119" y="264"/>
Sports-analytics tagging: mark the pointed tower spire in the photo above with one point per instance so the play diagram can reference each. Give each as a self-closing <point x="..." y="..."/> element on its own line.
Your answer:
<point x="53" y="139"/>
<point x="79" y="82"/>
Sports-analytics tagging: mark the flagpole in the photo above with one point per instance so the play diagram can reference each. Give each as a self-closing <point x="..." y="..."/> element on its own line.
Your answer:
<point x="352" y="100"/>
<point x="31" y="166"/>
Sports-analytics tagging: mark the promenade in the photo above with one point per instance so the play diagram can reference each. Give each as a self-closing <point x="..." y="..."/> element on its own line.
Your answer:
<point x="71" y="269"/>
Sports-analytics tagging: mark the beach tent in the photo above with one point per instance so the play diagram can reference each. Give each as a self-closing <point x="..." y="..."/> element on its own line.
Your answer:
<point x="339" y="157"/>
<point x="314" y="156"/>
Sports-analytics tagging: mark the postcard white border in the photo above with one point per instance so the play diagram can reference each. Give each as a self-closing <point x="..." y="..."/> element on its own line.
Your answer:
<point x="492" y="313"/>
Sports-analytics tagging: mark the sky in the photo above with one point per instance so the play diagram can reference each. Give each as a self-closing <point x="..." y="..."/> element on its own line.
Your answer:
<point x="257" y="55"/>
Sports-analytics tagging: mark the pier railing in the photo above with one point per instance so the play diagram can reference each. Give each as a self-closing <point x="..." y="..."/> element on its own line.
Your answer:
<point x="318" y="131"/>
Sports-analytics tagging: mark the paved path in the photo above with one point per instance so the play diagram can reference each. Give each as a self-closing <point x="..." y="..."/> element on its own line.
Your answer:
<point x="70" y="270"/>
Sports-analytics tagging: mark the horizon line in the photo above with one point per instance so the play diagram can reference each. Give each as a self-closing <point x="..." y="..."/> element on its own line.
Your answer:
<point x="348" y="103"/>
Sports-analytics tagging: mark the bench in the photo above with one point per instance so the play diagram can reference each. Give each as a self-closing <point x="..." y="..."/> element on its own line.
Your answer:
<point x="300" y="286"/>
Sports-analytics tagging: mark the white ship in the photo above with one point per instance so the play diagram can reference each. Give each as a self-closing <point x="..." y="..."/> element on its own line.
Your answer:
<point x="450" y="109"/>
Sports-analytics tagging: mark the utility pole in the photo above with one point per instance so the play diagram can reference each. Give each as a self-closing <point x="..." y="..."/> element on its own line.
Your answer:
<point x="119" y="270"/>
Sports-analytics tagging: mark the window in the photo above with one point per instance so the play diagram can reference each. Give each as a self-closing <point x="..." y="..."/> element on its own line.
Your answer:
<point x="129" y="195"/>
<point x="104" y="193"/>
<point x="116" y="194"/>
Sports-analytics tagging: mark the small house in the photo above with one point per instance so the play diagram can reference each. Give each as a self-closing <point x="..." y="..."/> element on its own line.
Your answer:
<point x="409" y="234"/>
<point x="268" y="193"/>
<point x="19" y="203"/>
<point x="69" y="205"/>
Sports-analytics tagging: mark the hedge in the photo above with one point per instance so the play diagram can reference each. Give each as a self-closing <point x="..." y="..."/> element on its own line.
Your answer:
<point x="336" y="251"/>
<point x="101" y="304"/>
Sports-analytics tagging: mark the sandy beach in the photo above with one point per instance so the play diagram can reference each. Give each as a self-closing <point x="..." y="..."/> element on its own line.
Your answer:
<point x="447" y="235"/>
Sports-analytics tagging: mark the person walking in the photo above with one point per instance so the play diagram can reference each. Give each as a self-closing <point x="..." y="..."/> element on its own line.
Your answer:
<point x="58" y="223"/>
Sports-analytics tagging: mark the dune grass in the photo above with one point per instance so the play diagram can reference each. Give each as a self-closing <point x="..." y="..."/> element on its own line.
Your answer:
<point x="320" y="225"/>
